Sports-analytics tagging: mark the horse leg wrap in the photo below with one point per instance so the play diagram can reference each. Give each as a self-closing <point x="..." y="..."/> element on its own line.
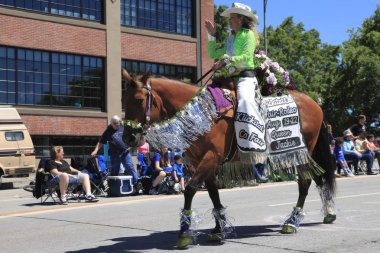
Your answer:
<point x="223" y="226"/>
<point x="292" y="224"/>
<point x="185" y="233"/>
<point x="328" y="205"/>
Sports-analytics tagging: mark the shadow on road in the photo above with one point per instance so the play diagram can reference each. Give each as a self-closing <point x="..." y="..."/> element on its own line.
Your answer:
<point x="166" y="240"/>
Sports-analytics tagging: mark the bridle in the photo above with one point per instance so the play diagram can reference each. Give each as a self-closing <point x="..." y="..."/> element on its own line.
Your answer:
<point x="150" y="98"/>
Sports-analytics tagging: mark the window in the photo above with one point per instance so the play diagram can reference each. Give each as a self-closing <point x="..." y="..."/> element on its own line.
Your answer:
<point x="14" y="136"/>
<point x="72" y="145"/>
<point x="173" y="16"/>
<point x="183" y="73"/>
<point x="34" y="77"/>
<point x="83" y="9"/>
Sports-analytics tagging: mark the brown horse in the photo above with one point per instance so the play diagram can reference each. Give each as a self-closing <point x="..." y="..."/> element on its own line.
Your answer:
<point x="167" y="97"/>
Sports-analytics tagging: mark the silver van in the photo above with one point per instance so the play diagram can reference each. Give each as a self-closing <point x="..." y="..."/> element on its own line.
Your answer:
<point x="17" y="155"/>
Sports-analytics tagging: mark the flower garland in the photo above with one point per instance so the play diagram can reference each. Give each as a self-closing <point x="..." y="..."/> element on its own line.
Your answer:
<point x="272" y="78"/>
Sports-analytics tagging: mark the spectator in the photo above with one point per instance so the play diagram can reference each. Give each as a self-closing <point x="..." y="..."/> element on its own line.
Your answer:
<point x="63" y="174"/>
<point x="143" y="159"/>
<point x="338" y="151"/>
<point x="371" y="146"/>
<point x="118" y="151"/>
<point x="359" y="126"/>
<point x="350" y="153"/>
<point x="260" y="173"/>
<point x="158" y="171"/>
<point x="178" y="174"/>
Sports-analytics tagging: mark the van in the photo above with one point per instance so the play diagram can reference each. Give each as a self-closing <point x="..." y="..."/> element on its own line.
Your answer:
<point x="17" y="155"/>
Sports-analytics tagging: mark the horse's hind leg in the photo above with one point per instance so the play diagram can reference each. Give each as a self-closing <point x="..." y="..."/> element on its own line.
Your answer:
<point x="328" y="205"/>
<point x="291" y="225"/>
<point x="217" y="234"/>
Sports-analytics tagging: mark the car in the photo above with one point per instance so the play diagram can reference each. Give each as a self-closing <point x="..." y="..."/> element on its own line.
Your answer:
<point x="17" y="154"/>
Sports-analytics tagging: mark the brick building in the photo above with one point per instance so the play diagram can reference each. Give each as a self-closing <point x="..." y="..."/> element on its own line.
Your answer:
<point x="60" y="60"/>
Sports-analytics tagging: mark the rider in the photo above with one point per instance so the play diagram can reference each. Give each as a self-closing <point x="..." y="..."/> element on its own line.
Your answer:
<point x="236" y="60"/>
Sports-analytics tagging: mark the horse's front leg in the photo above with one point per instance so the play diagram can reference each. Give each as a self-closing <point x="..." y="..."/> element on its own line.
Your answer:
<point x="292" y="224"/>
<point x="202" y="171"/>
<point x="185" y="234"/>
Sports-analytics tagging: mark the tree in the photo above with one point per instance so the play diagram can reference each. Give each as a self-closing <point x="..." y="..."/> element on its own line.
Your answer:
<point x="221" y="24"/>
<point x="357" y="89"/>
<point x="310" y="62"/>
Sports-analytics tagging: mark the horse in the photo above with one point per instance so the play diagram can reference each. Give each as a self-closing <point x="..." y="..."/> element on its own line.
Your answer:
<point x="149" y="100"/>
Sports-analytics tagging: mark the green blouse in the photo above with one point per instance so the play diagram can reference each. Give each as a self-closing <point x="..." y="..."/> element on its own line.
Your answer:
<point x="240" y="47"/>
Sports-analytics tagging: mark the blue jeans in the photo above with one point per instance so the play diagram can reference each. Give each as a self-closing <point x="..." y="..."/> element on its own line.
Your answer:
<point x="125" y="159"/>
<point x="355" y="160"/>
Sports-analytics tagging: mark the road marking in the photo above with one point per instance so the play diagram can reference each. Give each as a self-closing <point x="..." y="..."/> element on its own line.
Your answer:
<point x="314" y="200"/>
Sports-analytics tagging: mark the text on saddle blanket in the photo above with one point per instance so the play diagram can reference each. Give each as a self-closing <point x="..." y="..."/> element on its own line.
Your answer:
<point x="283" y="125"/>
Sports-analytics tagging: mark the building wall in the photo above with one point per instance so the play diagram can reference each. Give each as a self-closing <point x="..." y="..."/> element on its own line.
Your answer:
<point x="155" y="49"/>
<point x="207" y="13"/>
<point x="46" y="35"/>
<point x="64" y="125"/>
<point x="54" y="33"/>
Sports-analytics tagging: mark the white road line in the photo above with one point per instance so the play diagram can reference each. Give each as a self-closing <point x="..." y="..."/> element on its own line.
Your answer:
<point x="314" y="200"/>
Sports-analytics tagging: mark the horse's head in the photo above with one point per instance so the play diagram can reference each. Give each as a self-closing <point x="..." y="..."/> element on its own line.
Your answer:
<point x="137" y="101"/>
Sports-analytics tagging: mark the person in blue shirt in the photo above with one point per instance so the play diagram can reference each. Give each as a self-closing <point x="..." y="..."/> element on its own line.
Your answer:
<point x="339" y="156"/>
<point x="351" y="153"/>
<point x="118" y="151"/>
<point x="178" y="174"/>
<point x="157" y="166"/>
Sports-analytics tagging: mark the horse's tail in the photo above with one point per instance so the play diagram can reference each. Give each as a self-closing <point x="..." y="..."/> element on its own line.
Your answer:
<point x="322" y="155"/>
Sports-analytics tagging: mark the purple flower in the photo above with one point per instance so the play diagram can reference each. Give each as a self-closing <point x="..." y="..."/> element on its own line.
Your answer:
<point x="291" y="86"/>
<point x="286" y="77"/>
<point x="271" y="79"/>
<point x="261" y="52"/>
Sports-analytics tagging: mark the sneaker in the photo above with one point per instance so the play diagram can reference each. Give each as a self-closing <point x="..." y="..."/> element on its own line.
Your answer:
<point x="370" y="172"/>
<point x="91" y="198"/>
<point x="64" y="201"/>
<point x="263" y="180"/>
<point x="153" y="191"/>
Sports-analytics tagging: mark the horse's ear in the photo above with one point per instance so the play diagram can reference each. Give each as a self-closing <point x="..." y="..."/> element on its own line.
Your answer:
<point x="146" y="76"/>
<point x="126" y="75"/>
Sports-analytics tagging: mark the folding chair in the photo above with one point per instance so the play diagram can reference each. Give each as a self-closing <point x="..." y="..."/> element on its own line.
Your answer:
<point x="98" y="173"/>
<point x="44" y="189"/>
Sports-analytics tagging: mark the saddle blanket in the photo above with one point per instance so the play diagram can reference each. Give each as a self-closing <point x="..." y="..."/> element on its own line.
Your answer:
<point x="283" y="125"/>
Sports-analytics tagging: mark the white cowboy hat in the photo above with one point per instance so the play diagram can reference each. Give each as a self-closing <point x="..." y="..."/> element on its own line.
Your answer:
<point x="241" y="9"/>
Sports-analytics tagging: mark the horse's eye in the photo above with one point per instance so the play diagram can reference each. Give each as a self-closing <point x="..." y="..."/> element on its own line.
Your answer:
<point x="140" y="101"/>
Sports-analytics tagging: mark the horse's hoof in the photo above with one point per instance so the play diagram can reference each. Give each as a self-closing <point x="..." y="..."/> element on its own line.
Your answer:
<point x="288" y="229"/>
<point x="330" y="218"/>
<point x="184" y="240"/>
<point x="214" y="237"/>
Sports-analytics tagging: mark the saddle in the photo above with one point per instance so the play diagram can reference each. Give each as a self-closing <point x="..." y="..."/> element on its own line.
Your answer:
<point x="224" y="94"/>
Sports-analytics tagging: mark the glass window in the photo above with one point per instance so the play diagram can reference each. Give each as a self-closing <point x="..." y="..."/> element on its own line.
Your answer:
<point x="84" y="9"/>
<point x="80" y="146"/>
<point x="173" y="16"/>
<point x="50" y="78"/>
<point x="14" y="136"/>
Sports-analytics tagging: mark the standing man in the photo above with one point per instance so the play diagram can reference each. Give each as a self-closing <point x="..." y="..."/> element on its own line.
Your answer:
<point x="118" y="151"/>
<point x="359" y="127"/>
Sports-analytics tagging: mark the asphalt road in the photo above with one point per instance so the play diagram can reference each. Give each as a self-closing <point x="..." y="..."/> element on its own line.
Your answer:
<point x="150" y="223"/>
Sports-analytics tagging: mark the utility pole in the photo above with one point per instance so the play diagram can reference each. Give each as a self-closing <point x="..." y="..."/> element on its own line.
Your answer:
<point x="265" y="27"/>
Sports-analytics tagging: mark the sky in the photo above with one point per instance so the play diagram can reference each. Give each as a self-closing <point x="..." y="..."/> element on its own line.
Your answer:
<point x="332" y="18"/>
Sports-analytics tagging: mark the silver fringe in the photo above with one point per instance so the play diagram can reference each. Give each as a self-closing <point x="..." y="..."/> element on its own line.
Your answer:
<point x="252" y="157"/>
<point x="193" y="121"/>
<point x="295" y="218"/>
<point x="328" y="203"/>
<point x="224" y="221"/>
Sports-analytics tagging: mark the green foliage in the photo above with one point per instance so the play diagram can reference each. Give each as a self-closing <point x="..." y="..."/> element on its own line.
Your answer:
<point x="357" y="89"/>
<point x="311" y="63"/>
<point x="221" y="25"/>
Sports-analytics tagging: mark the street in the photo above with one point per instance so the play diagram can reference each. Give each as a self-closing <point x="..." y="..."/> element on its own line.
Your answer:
<point x="150" y="223"/>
